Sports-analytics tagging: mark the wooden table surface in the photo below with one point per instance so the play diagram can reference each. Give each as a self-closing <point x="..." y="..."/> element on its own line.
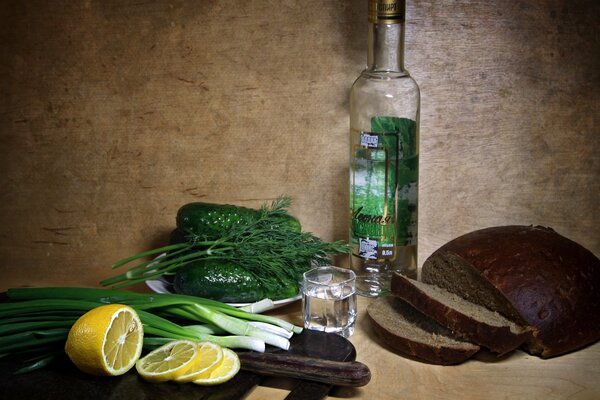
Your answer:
<point x="517" y="376"/>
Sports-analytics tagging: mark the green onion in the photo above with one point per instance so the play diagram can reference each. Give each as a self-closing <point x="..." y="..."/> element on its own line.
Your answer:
<point x="30" y="339"/>
<point x="36" y="321"/>
<point x="259" y="306"/>
<point x="271" y="328"/>
<point x="8" y="329"/>
<point x="38" y="362"/>
<point x="168" y="305"/>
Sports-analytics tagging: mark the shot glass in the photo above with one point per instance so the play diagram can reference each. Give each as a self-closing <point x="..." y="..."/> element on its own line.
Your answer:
<point x="329" y="300"/>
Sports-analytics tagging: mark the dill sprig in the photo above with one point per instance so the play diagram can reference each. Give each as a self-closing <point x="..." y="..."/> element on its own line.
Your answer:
<point x="274" y="256"/>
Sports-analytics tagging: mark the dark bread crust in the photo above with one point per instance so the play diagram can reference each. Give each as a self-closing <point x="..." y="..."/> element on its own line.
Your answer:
<point x="383" y="309"/>
<point x="551" y="282"/>
<point x="499" y="339"/>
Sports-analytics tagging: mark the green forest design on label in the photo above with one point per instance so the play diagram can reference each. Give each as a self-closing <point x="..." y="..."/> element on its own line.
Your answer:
<point x="385" y="159"/>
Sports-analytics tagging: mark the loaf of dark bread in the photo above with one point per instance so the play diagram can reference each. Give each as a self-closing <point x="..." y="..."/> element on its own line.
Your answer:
<point x="529" y="274"/>
<point x="468" y="320"/>
<point x="406" y="330"/>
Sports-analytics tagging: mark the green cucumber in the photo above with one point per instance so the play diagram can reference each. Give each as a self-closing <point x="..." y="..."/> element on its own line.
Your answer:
<point x="220" y="279"/>
<point x="226" y="282"/>
<point x="212" y="221"/>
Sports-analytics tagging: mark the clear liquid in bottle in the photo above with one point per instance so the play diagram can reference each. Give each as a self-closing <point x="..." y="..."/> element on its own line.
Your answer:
<point x="384" y="157"/>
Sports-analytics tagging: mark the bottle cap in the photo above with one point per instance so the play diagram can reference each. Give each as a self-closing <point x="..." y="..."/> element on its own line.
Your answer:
<point x="387" y="11"/>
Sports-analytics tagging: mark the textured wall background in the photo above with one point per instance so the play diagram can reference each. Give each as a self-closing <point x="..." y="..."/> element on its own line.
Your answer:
<point x="115" y="113"/>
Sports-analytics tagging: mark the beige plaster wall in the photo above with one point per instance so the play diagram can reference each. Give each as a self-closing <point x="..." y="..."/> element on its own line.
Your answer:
<point x="115" y="113"/>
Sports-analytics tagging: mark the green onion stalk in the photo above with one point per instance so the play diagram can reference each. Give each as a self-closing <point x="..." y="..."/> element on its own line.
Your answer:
<point x="35" y="322"/>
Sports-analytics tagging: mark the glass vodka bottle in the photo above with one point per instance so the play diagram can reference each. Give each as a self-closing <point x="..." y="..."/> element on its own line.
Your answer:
<point x="384" y="156"/>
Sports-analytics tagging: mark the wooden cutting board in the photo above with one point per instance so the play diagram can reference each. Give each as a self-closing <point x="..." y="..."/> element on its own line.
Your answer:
<point x="62" y="380"/>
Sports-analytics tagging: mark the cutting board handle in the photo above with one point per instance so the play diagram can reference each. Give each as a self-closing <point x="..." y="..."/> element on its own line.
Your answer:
<point x="340" y="373"/>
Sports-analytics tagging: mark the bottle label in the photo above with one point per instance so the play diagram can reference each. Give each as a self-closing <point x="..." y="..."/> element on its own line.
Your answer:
<point x="384" y="188"/>
<point x="387" y="11"/>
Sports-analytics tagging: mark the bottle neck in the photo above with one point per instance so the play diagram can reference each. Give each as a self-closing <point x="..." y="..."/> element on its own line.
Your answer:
<point x="386" y="48"/>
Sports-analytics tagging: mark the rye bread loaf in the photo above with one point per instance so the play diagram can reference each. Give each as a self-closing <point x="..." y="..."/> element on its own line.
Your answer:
<point x="406" y="330"/>
<point x="529" y="274"/>
<point x="470" y="321"/>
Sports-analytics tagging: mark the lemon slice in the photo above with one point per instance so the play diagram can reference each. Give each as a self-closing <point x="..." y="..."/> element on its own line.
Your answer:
<point x="107" y="340"/>
<point x="168" y="361"/>
<point x="228" y="367"/>
<point x="209" y="358"/>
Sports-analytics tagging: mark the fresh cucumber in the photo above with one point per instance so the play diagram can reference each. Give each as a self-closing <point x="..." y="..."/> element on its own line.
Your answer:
<point x="220" y="279"/>
<point x="212" y="221"/>
<point x="226" y="282"/>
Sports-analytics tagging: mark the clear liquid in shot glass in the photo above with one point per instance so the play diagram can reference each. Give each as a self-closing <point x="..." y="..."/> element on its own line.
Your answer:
<point x="329" y="300"/>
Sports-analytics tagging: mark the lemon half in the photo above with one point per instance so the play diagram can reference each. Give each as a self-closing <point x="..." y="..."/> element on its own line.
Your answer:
<point x="106" y="340"/>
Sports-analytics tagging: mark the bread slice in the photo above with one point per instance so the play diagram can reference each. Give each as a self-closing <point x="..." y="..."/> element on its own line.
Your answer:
<point x="470" y="321"/>
<point x="530" y="274"/>
<point x="406" y="330"/>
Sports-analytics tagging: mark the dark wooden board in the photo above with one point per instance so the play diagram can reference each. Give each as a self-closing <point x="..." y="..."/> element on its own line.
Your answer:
<point x="329" y="347"/>
<point x="62" y="380"/>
